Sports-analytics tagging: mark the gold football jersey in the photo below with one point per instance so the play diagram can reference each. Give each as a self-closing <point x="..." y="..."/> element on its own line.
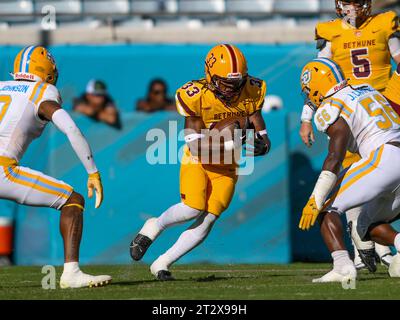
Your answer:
<point x="363" y="53"/>
<point x="196" y="99"/>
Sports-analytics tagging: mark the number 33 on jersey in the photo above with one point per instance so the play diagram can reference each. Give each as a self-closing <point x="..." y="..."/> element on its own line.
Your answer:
<point x="196" y="99"/>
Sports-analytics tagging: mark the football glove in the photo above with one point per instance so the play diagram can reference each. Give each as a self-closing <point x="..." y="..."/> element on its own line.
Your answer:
<point x="310" y="214"/>
<point x="94" y="182"/>
<point x="261" y="146"/>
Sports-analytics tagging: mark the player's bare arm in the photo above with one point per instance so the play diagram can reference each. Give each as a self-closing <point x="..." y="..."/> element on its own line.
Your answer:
<point x="200" y="141"/>
<point x="339" y="134"/>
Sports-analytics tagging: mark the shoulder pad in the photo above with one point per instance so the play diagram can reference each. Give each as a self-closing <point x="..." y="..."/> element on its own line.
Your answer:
<point x="328" y="30"/>
<point x="188" y="98"/>
<point x="256" y="90"/>
<point x="388" y="21"/>
<point x="326" y="115"/>
<point x="45" y="92"/>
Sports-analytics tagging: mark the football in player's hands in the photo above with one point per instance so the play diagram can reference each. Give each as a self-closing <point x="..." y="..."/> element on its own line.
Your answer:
<point x="228" y="126"/>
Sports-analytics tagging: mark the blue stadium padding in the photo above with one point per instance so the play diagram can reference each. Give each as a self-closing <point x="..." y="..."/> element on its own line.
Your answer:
<point x="254" y="229"/>
<point x="127" y="69"/>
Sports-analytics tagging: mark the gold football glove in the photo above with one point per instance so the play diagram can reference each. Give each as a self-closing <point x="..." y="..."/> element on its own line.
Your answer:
<point x="310" y="214"/>
<point x="94" y="182"/>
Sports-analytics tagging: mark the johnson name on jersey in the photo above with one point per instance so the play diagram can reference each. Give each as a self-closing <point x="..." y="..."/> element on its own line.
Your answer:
<point x="363" y="53"/>
<point x="370" y="117"/>
<point x="19" y="120"/>
<point x="196" y="99"/>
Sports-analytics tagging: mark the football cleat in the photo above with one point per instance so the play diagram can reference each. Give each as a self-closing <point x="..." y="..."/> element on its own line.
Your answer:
<point x="368" y="258"/>
<point x="144" y="239"/>
<point x="139" y="246"/>
<point x="348" y="273"/>
<point x="83" y="280"/>
<point x="164" y="275"/>
<point x="159" y="269"/>
<point x="366" y="249"/>
<point x="386" y="260"/>
<point x="394" y="268"/>
<point x="384" y="254"/>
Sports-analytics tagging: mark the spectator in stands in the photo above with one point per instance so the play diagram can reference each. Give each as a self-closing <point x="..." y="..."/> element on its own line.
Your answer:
<point x="97" y="104"/>
<point x="156" y="99"/>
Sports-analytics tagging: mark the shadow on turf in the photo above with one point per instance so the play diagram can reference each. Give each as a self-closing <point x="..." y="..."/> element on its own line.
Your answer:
<point x="211" y="278"/>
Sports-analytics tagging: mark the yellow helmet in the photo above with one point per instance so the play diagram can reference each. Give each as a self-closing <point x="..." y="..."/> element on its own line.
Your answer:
<point x="320" y="79"/>
<point x="35" y="63"/>
<point x="226" y="71"/>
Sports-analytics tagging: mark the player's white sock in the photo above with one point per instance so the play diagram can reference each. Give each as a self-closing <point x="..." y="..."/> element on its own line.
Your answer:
<point x="341" y="258"/>
<point x="397" y="243"/>
<point x="178" y="213"/>
<point x="71" y="267"/>
<point x="187" y="241"/>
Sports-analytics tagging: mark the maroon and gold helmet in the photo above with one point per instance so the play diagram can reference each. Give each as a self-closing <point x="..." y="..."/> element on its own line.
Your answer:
<point x="354" y="12"/>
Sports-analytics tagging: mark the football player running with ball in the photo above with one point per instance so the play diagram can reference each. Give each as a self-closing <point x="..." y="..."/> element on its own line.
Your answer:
<point x="362" y="44"/>
<point x="207" y="188"/>
<point x="359" y="119"/>
<point x="27" y="105"/>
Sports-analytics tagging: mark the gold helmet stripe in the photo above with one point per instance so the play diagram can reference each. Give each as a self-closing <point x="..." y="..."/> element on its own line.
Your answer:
<point x="232" y="55"/>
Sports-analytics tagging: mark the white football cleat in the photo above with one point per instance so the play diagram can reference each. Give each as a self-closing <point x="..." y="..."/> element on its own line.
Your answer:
<point x="348" y="273"/>
<point x="394" y="268"/>
<point x="82" y="280"/>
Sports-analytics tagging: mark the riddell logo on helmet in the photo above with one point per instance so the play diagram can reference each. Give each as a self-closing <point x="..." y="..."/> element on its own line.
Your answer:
<point x="25" y="76"/>
<point x="236" y="75"/>
<point x="339" y="87"/>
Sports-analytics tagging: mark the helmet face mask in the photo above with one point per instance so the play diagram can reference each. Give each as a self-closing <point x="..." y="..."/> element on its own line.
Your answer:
<point x="228" y="88"/>
<point x="305" y="92"/>
<point x="354" y="12"/>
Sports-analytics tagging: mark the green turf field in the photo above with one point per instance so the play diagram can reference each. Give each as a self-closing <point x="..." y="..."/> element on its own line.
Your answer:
<point x="203" y="282"/>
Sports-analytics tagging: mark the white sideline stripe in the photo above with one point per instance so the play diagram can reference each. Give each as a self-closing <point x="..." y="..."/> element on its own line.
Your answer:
<point x="250" y="270"/>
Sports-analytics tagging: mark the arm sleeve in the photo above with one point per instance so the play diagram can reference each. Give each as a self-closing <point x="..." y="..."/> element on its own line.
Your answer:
<point x="307" y="114"/>
<point x="326" y="51"/>
<point x="65" y="124"/>
<point x="394" y="46"/>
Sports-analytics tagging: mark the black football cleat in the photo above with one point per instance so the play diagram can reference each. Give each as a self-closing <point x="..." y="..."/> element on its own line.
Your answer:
<point x="139" y="246"/>
<point x="368" y="257"/>
<point x="164" y="275"/>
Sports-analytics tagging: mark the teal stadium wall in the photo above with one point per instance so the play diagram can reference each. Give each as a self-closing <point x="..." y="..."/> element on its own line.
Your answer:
<point x="260" y="226"/>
